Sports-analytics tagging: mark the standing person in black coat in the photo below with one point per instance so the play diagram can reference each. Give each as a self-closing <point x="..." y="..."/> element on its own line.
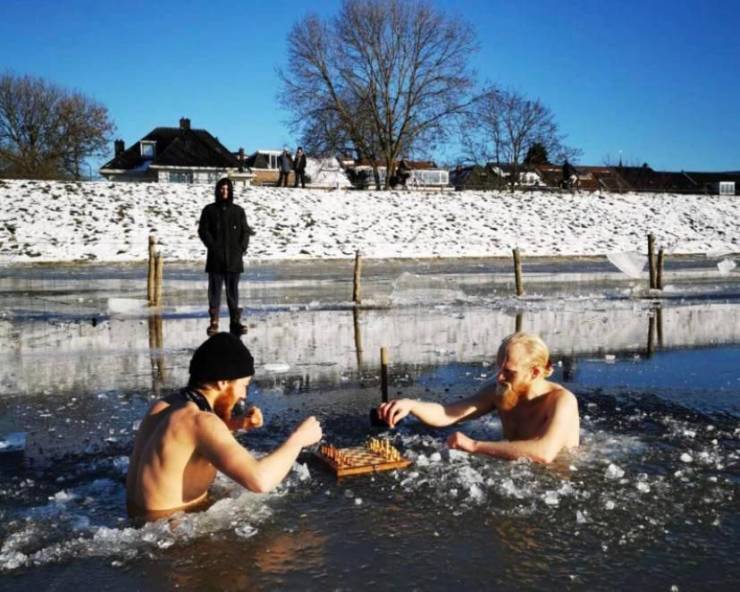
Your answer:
<point x="285" y="165"/>
<point x="299" y="166"/>
<point x="224" y="231"/>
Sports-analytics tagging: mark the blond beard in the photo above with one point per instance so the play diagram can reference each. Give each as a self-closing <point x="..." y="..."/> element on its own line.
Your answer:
<point x="507" y="397"/>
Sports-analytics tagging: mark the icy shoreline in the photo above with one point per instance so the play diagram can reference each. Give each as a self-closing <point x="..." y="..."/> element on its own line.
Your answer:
<point x="45" y="221"/>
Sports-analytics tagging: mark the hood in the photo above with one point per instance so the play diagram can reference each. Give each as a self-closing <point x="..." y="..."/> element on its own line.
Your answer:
<point x="217" y="191"/>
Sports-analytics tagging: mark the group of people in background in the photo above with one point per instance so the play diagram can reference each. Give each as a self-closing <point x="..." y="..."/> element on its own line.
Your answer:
<point x="296" y="164"/>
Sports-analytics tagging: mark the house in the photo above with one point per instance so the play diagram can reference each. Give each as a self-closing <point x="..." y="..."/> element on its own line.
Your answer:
<point x="727" y="183"/>
<point x="476" y="177"/>
<point x="264" y="167"/>
<point x="176" y="155"/>
<point x="424" y="174"/>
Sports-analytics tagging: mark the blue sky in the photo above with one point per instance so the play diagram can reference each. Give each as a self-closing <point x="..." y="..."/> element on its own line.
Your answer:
<point x="658" y="80"/>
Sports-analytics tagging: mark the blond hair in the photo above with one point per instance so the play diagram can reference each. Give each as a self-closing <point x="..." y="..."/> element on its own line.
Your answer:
<point x="537" y="353"/>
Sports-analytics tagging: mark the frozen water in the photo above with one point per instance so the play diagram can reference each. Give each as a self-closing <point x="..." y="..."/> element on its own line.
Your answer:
<point x="614" y="472"/>
<point x="726" y="266"/>
<point x="629" y="263"/>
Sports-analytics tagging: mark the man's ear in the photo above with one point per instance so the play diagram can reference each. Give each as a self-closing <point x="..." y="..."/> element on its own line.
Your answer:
<point x="536" y="372"/>
<point x="222" y="384"/>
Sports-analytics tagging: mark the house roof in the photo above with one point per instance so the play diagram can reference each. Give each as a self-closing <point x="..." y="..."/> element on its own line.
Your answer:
<point x="176" y="147"/>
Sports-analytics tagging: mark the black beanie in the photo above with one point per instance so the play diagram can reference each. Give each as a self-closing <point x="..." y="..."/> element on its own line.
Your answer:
<point x="221" y="357"/>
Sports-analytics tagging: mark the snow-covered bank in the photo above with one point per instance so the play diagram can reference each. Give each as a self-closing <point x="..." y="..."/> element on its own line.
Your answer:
<point x="103" y="221"/>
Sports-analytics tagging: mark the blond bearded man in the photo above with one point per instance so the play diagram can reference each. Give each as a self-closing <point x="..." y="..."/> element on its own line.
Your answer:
<point x="539" y="417"/>
<point x="185" y="438"/>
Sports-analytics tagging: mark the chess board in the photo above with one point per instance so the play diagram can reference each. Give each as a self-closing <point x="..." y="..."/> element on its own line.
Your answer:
<point x="360" y="460"/>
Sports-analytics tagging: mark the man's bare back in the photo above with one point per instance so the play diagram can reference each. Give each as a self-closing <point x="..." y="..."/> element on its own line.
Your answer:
<point x="166" y="470"/>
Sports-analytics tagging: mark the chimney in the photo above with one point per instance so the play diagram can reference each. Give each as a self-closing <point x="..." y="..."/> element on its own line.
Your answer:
<point x="241" y="159"/>
<point x="184" y="123"/>
<point x="118" y="147"/>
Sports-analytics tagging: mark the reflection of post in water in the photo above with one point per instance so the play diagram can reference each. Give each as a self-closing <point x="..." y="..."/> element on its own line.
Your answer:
<point x="518" y="322"/>
<point x="569" y="366"/>
<point x="358" y="337"/>
<point x="156" y="340"/>
<point x="651" y="334"/>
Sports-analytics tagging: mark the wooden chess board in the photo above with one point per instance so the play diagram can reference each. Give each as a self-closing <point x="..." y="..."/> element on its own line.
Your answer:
<point x="373" y="457"/>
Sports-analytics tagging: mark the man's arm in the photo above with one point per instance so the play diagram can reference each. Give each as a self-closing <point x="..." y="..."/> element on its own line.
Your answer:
<point x="245" y="233"/>
<point x="542" y="450"/>
<point x="436" y="414"/>
<point x="203" y="232"/>
<point x="216" y="443"/>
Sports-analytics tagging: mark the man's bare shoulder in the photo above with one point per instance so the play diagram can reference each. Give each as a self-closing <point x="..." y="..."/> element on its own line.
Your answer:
<point x="209" y="425"/>
<point x="562" y="397"/>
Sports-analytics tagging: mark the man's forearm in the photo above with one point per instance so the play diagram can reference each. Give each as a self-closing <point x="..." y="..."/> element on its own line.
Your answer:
<point x="432" y="414"/>
<point x="273" y="468"/>
<point x="531" y="449"/>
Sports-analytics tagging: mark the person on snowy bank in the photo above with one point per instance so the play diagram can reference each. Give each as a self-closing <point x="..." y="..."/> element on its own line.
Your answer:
<point x="539" y="418"/>
<point x="186" y="437"/>
<point x="285" y="165"/>
<point x="299" y="166"/>
<point x="224" y="231"/>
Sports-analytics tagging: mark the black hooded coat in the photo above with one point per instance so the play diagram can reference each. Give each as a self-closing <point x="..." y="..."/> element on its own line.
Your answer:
<point x="224" y="231"/>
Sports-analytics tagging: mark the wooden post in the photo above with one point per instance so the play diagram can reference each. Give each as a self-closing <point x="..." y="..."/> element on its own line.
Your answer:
<point x="518" y="273"/>
<point x="384" y="374"/>
<point x="356" y="283"/>
<point x="158" y="279"/>
<point x="659" y="323"/>
<point x="151" y="270"/>
<point x="659" y="270"/>
<point x="651" y="259"/>
<point x="358" y="338"/>
<point x="651" y="335"/>
<point x="518" y="322"/>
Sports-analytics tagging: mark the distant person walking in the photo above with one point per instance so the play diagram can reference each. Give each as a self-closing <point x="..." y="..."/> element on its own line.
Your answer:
<point x="285" y="165"/>
<point x="570" y="176"/>
<point x="299" y="167"/>
<point x="224" y="231"/>
<point x="403" y="173"/>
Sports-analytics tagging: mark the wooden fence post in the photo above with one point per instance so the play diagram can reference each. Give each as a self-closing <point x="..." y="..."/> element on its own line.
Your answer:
<point x="651" y="259"/>
<point x="518" y="273"/>
<point x="384" y="374"/>
<point x="659" y="271"/>
<point x="158" y="279"/>
<point x="356" y="282"/>
<point x="151" y="270"/>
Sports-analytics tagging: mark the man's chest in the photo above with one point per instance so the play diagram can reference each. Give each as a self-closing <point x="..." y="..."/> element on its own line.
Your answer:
<point x="526" y="420"/>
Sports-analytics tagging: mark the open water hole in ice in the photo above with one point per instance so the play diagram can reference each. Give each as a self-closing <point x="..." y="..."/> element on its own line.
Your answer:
<point x="648" y="501"/>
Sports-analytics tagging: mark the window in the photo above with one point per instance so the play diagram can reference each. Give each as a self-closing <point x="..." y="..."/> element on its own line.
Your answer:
<point x="181" y="177"/>
<point x="148" y="149"/>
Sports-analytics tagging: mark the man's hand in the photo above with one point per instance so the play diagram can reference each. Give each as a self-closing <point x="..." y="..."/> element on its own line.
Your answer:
<point x="459" y="441"/>
<point x="394" y="411"/>
<point x="251" y="420"/>
<point x="308" y="432"/>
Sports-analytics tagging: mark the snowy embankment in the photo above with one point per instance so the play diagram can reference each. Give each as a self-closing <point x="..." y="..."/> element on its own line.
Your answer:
<point x="102" y="221"/>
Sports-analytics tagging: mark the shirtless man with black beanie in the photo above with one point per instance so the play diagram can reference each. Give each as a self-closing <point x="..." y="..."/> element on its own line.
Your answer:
<point x="186" y="437"/>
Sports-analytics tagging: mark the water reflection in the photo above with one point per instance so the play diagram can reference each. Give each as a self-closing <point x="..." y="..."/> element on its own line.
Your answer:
<point x="328" y="346"/>
<point x="156" y="353"/>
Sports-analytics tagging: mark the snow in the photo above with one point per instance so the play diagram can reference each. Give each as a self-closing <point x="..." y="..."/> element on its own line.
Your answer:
<point x="105" y="221"/>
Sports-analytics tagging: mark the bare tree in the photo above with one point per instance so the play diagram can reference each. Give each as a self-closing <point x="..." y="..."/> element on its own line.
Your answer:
<point x="502" y="126"/>
<point x="47" y="131"/>
<point x="382" y="76"/>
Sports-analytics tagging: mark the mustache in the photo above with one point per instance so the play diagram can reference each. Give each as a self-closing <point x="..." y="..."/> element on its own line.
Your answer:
<point x="503" y="388"/>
